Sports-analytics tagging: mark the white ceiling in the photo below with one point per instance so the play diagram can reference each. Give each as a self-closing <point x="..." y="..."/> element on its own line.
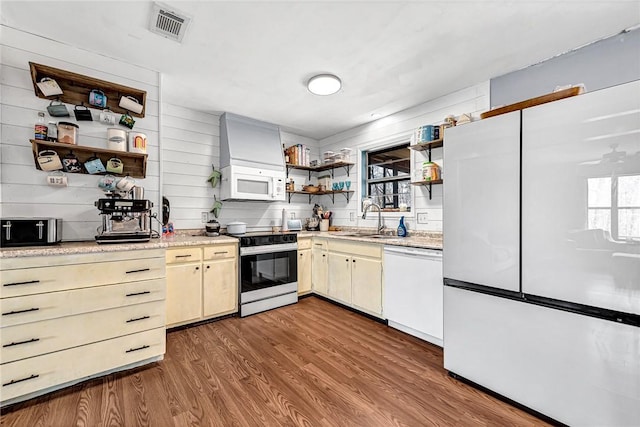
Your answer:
<point x="253" y="58"/>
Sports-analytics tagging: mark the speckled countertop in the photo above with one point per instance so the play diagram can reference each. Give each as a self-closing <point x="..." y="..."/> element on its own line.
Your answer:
<point x="69" y="248"/>
<point x="424" y="240"/>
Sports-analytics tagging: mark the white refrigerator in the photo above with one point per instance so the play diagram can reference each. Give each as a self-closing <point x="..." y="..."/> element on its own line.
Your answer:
<point x="542" y="256"/>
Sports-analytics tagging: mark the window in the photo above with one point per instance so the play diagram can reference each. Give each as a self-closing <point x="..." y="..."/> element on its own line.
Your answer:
<point x="388" y="177"/>
<point x="613" y="205"/>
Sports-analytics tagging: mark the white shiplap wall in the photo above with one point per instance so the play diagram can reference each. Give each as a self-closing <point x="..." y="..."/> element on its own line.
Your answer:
<point x="23" y="189"/>
<point x="190" y="145"/>
<point x="397" y="129"/>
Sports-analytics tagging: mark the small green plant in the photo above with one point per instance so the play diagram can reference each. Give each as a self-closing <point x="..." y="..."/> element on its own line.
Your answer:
<point x="217" y="206"/>
<point x="214" y="177"/>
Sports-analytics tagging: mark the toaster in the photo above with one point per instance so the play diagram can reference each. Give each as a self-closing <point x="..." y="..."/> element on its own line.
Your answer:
<point x="30" y="231"/>
<point x="294" y="224"/>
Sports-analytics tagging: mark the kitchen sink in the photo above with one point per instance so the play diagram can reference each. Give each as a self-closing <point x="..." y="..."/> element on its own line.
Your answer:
<point x="369" y="235"/>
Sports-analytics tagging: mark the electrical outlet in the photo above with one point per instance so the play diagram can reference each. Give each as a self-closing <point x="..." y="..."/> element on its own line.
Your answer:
<point x="352" y="216"/>
<point x="204" y="217"/>
<point x="423" y="218"/>
<point x="292" y="215"/>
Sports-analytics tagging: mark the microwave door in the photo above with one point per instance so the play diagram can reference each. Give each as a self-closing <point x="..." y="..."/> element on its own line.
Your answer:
<point x="253" y="187"/>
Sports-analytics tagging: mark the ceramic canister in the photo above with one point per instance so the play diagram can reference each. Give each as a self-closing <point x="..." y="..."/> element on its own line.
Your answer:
<point x="116" y="139"/>
<point x="137" y="142"/>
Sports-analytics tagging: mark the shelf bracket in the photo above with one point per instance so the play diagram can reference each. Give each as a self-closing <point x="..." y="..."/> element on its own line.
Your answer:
<point x="429" y="187"/>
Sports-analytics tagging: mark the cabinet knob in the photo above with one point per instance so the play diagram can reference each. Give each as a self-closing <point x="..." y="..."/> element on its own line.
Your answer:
<point x="208" y="267"/>
<point x="197" y="268"/>
<point x="354" y="260"/>
<point x="347" y="259"/>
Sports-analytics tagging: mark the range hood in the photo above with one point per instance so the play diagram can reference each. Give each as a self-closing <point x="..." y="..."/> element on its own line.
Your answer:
<point x="250" y="143"/>
<point x="251" y="160"/>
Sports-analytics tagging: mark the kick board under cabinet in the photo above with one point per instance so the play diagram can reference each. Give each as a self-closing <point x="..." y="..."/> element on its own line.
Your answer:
<point x="66" y="318"/>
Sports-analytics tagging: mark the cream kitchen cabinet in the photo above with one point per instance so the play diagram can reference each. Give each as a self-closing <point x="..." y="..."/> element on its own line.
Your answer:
<point x="304" y="265"/>
<point x="202" y="283"/>
<point x="355" y="275"/>
<point x="319" y="266"/>
<point x="220" y="280"/>
<point x="340" y="277"/>
<point x="69" y="317"/>
<point x="184" y="292"/>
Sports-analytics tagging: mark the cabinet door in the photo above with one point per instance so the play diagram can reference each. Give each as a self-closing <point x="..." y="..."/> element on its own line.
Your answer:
<point x="304" y="271"/>
<point x="482" y="202"/>
<point x="184" y="293"/>
<point x="319" y="271"/>
<point x="366" y="284"/>
<point x="340" y="277"/>
<point x="220" y="287"/>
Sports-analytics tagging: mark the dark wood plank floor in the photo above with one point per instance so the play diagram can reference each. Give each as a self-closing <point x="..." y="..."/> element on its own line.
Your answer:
<point x="309" y="364"/>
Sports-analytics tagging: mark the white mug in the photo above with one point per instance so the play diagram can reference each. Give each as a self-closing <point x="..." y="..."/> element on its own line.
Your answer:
<point x="126" y="184"/>
<point x="57" y="179"/>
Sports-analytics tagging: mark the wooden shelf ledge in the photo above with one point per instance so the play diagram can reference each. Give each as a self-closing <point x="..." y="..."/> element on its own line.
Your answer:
<point x="135" y="164"/>
<point x="76" y="88"/>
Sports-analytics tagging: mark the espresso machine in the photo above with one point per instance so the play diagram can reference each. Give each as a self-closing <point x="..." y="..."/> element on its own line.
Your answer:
<point x="124" y="219"/>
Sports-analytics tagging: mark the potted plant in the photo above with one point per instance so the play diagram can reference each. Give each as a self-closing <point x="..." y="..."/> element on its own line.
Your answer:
<point x="213" y="226"/>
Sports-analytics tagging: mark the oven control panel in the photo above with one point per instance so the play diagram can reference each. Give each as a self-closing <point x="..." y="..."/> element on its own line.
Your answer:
<point x="268" y="239"/>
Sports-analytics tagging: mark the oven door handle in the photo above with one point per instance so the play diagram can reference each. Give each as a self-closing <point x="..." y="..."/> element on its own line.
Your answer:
<point x="268" y="249"/>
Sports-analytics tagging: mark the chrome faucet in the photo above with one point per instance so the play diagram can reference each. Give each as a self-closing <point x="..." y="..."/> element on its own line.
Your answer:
<point x="364" y="215"/>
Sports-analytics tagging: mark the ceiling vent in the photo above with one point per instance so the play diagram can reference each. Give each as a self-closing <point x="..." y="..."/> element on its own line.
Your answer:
<point x="168" y="22"/>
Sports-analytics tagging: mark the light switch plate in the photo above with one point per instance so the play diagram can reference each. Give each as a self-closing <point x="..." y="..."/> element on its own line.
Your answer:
<point x="423" y="218"/>
<point x="204" y="217"/>
<point x="352" y="216"/>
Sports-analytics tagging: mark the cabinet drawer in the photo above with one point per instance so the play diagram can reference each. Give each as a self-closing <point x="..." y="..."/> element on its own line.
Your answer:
<point x="33" y="308"/>
<point x="362" y="249"/>
<point x="33" y="339"/>
<point x="175" y="256"/>
<point x="37" y="373"/>
<point x="49" y="279"/>
<point x="317" y="243"/>
<point x="84" y="258"/>
<point x="220" y="251"/>
<point x="304" y="243"/>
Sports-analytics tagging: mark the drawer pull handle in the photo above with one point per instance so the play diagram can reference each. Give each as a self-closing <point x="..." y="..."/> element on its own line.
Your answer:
<point x="21" y="342"/>
<point x="20" y="311"/>
<point x="30" y="282"/>
<point x="137" y="319"/>
<point x="317" y="244"/>
<point x="131" y="350"/>
<point x="183" y="256"/>
<point x="220" y="253"/>
<point x="137" y="293"/>
<point x="20" y="380"/>
<point x="138" y="271"/>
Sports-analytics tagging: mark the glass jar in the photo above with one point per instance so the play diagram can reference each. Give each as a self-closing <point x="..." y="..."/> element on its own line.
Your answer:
<point x="430" y="171"/>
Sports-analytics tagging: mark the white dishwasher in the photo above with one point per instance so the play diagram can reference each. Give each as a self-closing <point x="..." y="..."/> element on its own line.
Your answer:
<point x="413" y="291"/>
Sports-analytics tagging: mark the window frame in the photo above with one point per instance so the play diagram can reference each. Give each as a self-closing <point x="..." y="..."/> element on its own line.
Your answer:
<point x="363" y="151"/>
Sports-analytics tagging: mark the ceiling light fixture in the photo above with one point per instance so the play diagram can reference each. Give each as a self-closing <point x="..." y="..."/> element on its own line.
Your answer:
<point x="324" y="84"/>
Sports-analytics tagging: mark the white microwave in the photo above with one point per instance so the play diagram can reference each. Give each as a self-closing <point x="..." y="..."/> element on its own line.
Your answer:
<point x="245" y="183"/>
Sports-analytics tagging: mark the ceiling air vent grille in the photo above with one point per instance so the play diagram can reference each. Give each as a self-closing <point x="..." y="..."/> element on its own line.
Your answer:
<point x="168" y="23"/>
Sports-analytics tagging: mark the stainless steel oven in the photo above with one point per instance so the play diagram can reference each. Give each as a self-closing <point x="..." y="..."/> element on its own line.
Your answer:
<point x="268" y="272"/>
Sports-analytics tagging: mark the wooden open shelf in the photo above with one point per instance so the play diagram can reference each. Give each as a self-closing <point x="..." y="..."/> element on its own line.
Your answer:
<point x="332" y="193"/>
<point x="325" y="167"/>
<point x="428" y="145"/>
<point x="427" y="184"/>
<point x="135" y="164"/>
<point x="76" y="88"/>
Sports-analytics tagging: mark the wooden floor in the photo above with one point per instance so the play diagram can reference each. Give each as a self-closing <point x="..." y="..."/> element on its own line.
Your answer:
<point x="308" y="364"/>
